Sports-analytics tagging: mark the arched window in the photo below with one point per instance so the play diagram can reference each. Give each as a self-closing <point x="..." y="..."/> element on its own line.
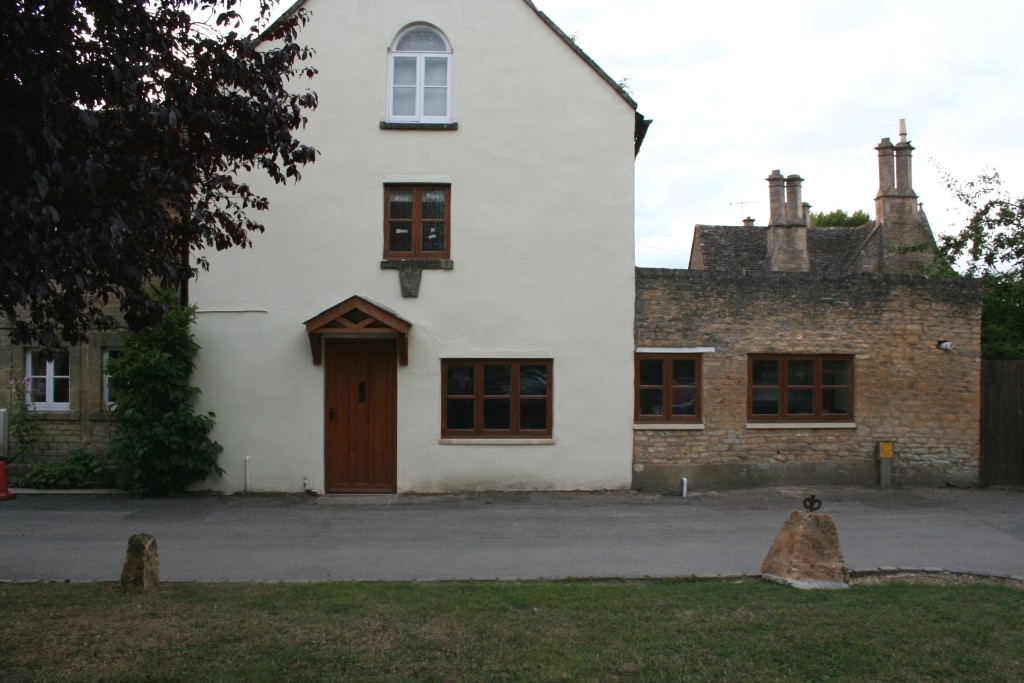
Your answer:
<point x="419" y="77"/>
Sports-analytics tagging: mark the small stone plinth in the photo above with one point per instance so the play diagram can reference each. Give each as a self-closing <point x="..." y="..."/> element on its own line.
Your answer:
<point x="806" y="553"/>
<point x="141" y="570"/>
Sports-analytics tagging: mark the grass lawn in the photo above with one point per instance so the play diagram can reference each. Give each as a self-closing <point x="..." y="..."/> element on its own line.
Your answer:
<point x="702" y="630"/>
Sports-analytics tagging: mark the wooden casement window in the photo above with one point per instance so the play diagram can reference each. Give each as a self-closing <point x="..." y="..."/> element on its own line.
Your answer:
<point x="667" y="387"/>
<point x="496" y="398"/>
<point x="417" y="221"/>
<point x="800" y="388"/>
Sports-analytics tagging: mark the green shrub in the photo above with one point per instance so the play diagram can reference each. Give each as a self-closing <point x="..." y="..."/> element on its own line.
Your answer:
<point x="157" y="435"/>
<point x="81" y="470"/>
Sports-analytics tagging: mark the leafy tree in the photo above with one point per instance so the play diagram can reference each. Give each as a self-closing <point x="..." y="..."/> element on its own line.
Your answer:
<point x="126" y="127"/>
<point x="838" y="218"/>
<point x="157" y="434"/>
<point x="991" y="246"/>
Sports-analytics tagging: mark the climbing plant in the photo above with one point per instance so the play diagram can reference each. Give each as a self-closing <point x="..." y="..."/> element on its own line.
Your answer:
<point x="23" y="430"/>
<point x="165" y="445"/>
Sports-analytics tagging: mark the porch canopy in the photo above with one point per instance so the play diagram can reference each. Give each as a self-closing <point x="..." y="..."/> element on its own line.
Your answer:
<point x="357" y="316"/>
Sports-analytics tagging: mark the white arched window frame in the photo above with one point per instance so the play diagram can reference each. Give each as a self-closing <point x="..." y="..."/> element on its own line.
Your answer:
<point x="419" y="77"/>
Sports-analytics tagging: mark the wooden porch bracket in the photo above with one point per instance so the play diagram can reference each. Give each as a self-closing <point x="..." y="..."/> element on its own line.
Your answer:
<point x="354" y="317"/>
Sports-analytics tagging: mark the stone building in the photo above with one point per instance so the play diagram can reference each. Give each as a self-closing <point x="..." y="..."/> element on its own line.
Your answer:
<point x="788" y="354"/>
<point x="785" y="355"/>
<point x="71" y="401"/>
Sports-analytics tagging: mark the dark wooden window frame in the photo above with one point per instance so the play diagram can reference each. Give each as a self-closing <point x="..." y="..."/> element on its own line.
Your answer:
<point x="514" y="396"/>
<point x="784" y="387"/>
<point x="417" y="222"/>
<point x="667" y="387"/>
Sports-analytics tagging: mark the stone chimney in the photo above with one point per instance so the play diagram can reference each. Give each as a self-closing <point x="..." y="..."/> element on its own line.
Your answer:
<point x="794" y="202"/>
<point x="904" y="183"/>
<point x="895" y="181"/>
<point x="777" y="198"/>
<point x="901" y="222"/>
<point x="886" y="175"/>
<point x="748" y="222"/>
<point x="787" y="225"/>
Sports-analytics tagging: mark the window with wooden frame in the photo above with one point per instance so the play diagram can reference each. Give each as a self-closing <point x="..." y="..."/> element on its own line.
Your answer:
<point x="667" y="387"/>
<point x="800" y="388"/>
<point x="417" y="221"/>
<point x="496" y="398"/>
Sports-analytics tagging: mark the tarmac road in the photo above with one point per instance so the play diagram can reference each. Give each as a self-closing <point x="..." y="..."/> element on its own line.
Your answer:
<point x="487" y="536"/>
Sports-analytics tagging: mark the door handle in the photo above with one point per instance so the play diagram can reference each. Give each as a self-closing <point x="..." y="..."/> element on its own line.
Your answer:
<point x="331" y="413"/>
<point x="362" y="392"/>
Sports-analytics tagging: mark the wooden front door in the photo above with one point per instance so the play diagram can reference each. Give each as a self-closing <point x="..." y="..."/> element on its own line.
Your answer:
<point x="361" y="416"/>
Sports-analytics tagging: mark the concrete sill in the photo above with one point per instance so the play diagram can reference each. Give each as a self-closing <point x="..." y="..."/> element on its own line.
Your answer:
<point x="801" y="425"/>
<point x="694" y="426"/>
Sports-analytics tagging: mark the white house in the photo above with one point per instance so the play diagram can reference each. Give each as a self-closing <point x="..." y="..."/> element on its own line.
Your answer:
<point x="445" y="302"/>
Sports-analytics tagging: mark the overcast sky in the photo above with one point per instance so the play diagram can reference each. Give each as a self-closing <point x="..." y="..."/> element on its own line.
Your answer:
<point x="737" y="88"/>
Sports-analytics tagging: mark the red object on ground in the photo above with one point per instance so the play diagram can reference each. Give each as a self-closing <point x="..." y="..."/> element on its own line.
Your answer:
<point x="4" y="493"/>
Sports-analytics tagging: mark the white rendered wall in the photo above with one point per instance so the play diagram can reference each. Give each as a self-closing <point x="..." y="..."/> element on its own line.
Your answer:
<point x="541" y="170"/>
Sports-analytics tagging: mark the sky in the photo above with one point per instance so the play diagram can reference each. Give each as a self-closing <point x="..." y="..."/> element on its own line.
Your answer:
<point x="737" y="88"/>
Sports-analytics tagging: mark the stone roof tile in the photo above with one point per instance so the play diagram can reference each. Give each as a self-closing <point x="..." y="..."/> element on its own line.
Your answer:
<point x="731" y="247"/>
<point x="738" y="247"/>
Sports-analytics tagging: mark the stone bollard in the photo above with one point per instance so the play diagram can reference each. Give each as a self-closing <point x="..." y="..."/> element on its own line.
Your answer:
<point x="806" y="553"/>
<point x="141" y="570"/>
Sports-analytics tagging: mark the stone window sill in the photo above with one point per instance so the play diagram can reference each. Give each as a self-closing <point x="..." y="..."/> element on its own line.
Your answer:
<point x="388" y="125"/>
<point x="55" y="415"/>
<point x="421" y="263"/>
<point x="496" y="442"/>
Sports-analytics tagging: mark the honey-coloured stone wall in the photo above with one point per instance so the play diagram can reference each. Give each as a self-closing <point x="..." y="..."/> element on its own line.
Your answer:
<point x="86" y="425"/>
<point x="906" y="390"/>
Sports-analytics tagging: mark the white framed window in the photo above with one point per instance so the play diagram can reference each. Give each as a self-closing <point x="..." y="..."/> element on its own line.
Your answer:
<point x="109" y="400"/>
<point x="50" y="389"/>
<point x="419" y="77"/>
